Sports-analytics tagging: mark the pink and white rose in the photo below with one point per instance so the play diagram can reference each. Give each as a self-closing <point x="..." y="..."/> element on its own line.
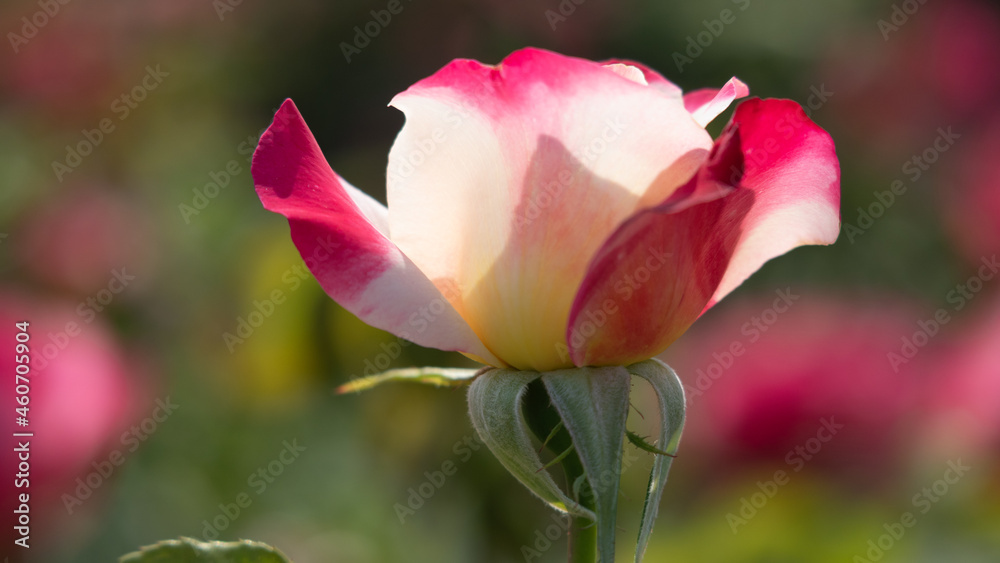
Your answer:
<point x="550" y="212"/>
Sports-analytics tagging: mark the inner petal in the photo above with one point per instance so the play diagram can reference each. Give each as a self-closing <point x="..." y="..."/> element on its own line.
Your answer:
<point x="506" y="180"/>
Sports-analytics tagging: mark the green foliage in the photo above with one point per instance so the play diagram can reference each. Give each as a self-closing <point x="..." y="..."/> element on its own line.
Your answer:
<point x="593" y="404"/>
<point x="439" y="377"/>
<point x="495" y="399"/>
<point x="187" y="550"/>
<point x="670" y="393"/>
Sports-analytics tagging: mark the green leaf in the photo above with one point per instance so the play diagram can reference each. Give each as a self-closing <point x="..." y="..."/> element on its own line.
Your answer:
<point x="440" y="377"/>
<point x="495" y="398"/>
<point x="187" y="550"/>
<point x="670" y="393"/>
<point x="593" y="404"/>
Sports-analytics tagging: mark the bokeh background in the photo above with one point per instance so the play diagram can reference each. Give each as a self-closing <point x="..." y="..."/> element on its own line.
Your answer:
<point x="868" y="373"/>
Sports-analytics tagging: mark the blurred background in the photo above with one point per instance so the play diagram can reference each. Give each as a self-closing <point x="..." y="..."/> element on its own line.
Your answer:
<point x="176" y="393"/>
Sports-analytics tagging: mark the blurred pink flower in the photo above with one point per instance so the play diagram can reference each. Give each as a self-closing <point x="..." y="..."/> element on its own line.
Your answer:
<point x="962" y="397"/>
<point x="66" y="68"/>
<point x="72" y="64"/>
<point x="552" y="212"/>
<point x="807" y="363"/>
<point x="970" y="190"/>
<point x="940" y="68"/>
<point x="76" y="240"/>
<point x="81" y="400"/>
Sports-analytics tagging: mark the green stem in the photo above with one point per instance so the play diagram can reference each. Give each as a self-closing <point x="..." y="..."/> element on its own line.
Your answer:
<point x="582" y="532"/>
<point x="543" y="420"/>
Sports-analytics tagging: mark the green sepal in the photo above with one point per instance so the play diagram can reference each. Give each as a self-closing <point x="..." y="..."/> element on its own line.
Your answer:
<point x="670" y="393"/>
<point x="187" y="550"/>
<point x="593" y="404"/>
<point x="495" y="399"/>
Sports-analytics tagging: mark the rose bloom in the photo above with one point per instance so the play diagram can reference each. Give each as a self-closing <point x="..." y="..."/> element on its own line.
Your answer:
<point x="551" y="212"/>
<point x="802" y="382"/>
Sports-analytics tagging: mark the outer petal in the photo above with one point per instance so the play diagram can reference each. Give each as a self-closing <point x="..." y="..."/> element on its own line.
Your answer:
<point x="654" y="275"/>
<point x="659" y="272"/>
<point x="706" y="104"/>
<point x="506" y="180"/>
<point x="341" y="234"/>
<point x="792" y="168"/>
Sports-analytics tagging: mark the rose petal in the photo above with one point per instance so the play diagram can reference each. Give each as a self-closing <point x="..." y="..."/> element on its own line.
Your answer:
<point x="631" y="72"/>
<point x="706" y="104"/>
<point x="506" y="180"/>
<point x="659" y="272"/>
<point x="792" y="168"/>
<point x="341" y="234"/>
<point x="654" y="275"/>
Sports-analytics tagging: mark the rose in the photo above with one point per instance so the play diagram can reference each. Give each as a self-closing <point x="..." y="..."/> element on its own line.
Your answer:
<point x="565" y="218"/>
<point x="551" y="212"/>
